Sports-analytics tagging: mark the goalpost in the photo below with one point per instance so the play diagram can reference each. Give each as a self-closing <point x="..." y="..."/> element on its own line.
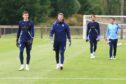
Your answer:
<point x="104" y="20"/>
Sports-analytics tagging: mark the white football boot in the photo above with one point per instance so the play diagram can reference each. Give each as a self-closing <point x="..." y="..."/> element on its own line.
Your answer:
<point x="57" y="66"/>
<point x="61" y="66"/>
<point x="27" y="67"/>
<point x="92" y="56"/>
<point x="21" y="67"/>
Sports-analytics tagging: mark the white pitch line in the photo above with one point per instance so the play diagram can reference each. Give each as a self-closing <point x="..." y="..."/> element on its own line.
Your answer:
<point x="42" y="78"/>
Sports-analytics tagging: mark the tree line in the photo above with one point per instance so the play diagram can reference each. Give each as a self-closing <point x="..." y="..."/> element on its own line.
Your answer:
<point x="41" y="10"/>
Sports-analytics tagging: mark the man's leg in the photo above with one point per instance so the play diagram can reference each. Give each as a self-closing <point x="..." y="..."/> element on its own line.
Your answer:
<point x="56" y="49"/>
<point x="110" y="48"/>
<point x="62" y="56"/>
<point x="91" y="46"/>
<point x="95" y="45"/>
<point x="57" y="59"/>
<point x="115" y="47"/>
<point x="28" y="51"/>
<point x="91" y="49"/>
<point x="21" y="57"/>
<point x="57" y="56"/>
<point x="22" y="46"/>
<point x="62" y="50"/>
<point x="94" y="41"/>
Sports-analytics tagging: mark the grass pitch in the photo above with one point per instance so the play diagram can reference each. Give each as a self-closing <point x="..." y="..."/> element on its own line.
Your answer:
<point x="78" y="67"/>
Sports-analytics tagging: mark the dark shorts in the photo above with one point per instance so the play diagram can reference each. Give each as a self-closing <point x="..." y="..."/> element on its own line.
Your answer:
<point x="24" y="44"/>
<point x="59" y="46"/>
<point x="93" y="39"/>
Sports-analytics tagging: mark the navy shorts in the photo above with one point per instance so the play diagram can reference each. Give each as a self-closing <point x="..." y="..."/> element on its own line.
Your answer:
<point x="24" y="44"/>
<point x="59" y="46"/>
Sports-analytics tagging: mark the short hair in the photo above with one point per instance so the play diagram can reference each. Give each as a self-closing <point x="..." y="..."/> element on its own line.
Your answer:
<point x="25" y="12"/>
<point x="93" y="16"/>
<point x="61" y="14"/>
<point x="113" y="18"/>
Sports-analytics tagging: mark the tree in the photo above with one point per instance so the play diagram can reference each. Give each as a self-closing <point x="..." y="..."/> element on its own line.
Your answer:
<point x="113" y="7"/>
<point x="8" y="12"/>
<point x="43" y="10"/>
<point x="11" y="10"/>
<point x="68" y="7"/>
<point x="85" y="7"/>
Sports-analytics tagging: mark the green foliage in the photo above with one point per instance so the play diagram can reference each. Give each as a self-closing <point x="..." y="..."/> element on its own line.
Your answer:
<point x="41" y="10"/>
<point x="11" y="10"/>
<point x="85" y="7"/>
<point x="68" y="7"/>
<point x="105" y="7"/>
<point x="113" y="9"/>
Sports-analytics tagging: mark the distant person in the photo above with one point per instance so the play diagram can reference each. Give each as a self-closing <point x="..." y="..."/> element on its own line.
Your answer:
<point x="26" y="34"/>
<point x="112" y="37"/>
<point x="93" y="35"/>
<point x="59" y="33"/>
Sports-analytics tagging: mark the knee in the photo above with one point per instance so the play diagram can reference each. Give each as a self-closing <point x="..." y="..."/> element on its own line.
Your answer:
<point x="91" y="45"/>
<point x="21" y="51"/>
<point x="95" y="46"/>
<point x="111" y="47"/>
<point x="62" y="53"/>
<point x="28" y="53"/>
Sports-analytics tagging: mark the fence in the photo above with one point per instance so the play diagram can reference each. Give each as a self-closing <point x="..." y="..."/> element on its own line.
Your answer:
<point x="40" y="31"/>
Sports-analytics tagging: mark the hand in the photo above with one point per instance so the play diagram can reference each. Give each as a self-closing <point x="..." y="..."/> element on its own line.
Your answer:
<point x="87" y="39"/>
<point x="52" y="42"/>
<point x="17" y="43"/>
<point x="30" y="41"/>
<point x="98" y="38"/>
<point x="107" y="40"/>
<point x="69" y="42"/>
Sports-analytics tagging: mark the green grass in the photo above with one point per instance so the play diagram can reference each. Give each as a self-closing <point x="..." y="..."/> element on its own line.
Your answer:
<point x="78" y="68"/>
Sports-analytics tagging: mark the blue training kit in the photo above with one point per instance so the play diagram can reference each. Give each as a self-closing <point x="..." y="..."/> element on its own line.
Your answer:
<point x="93" y="34"/>
<point x="26" y="34"/>
<point x="61" y="32"/>
<point x="112" y="36"/>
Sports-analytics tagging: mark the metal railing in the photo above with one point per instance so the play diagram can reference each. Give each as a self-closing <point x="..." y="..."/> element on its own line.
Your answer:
<point x="9" y="29"/>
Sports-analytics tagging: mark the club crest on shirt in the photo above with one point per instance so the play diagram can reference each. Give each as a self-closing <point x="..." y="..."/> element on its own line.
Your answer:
<point x="62" y="25"/>
<point x="92" y="27"/>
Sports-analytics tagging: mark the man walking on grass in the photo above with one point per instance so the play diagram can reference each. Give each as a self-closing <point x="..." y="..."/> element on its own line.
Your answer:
<point x="59" y="33"/>
<point x="93" y="35"/>
<point x="112" y="37"/>
<point x="26" y="34"/>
